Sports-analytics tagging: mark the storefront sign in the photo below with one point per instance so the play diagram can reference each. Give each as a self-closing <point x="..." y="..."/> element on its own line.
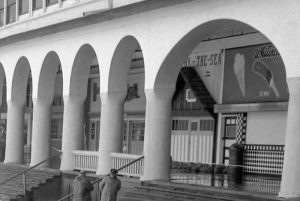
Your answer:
<point x="209" y="66"/>
<point x="254" y="74"/>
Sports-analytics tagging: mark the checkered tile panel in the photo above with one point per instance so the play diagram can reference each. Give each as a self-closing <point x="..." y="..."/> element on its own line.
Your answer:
<point x="241" y="124"/>
<point x="263" y="159"/>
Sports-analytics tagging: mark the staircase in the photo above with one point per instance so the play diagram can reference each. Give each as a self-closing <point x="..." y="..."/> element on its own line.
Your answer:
<point x="13" y="190"/>
<point x="193" y="80"/>
<point x="166" y="191"/>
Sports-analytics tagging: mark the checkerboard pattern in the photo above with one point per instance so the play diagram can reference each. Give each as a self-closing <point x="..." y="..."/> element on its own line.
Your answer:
<point x="263" y="159"/>
<point x="241" y="125"/>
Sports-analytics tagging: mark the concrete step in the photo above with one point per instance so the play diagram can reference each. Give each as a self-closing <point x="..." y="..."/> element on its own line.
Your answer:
<point x="13" y="189"/>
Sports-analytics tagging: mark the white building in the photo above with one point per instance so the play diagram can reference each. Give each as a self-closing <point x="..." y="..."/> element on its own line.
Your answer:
<point x="121" y="59"/>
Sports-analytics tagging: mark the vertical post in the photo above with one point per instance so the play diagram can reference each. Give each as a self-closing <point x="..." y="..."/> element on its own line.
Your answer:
<point x="30" y="9"/>
<point x="17" y="9"/>
<point x="5" y="13"/>
<point x="41" y="131"/>
<point x="44" y="5"/>
<point x="72" y="129"/>
<point x="111" y="128"/>
<point x="24" y="185"/>
<point x="157" y="144"/>
<point x="290" y="180"/>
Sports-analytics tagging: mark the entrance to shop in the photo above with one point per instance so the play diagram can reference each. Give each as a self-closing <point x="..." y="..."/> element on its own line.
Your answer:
<point x="133" y="136"/>
<point x="93" y="136"/>
<point x="229" y="136"/>
<point x="192" y="139"/>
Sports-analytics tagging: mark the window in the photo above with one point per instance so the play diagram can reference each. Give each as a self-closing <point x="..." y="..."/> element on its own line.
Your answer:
<point x="180" y="124"/>
<point x="51" y="2"/>
<point x="56" y="130"/>
<point x="37" y="4"/>
<point x="230" y="127"/>
<point x="11" y="11"/>
<point x="194" y="126"/>
<point x="1" y="13"/>
<point x="138" y="129"/>
<point x="207" y="125"/>
<point x="23" y="6"/>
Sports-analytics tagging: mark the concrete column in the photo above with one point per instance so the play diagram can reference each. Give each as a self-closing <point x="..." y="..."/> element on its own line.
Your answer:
<point x="41" y="131"/>
<point x="14" y="152"/>
<point x="73" y="129"/>
<point x="111" y="128"/>
<point x="290" y="181"/>
<point x="157" y="142"/>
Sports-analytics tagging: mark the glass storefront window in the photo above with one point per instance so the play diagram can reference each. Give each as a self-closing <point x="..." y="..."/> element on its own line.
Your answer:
<point x="138" y="130"/>
<point x="23" y="6"/>
<point x="51" y="2"/>
<point x="1" y="13"/>
<point x="37" y="4"/>
<point x="11" y="11"/>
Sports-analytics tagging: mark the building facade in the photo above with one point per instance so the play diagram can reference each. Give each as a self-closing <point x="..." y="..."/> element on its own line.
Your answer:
<point x="157" y="78"/>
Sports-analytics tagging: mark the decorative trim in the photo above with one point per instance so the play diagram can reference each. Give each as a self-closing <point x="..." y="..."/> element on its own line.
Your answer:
<point x="241" y="125"/>
<point x="251" y="107"/>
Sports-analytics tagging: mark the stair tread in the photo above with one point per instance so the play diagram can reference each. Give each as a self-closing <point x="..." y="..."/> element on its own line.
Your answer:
<point x="13" y="189"/>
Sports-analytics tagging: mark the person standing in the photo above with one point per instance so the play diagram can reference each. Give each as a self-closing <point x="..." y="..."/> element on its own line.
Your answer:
<point x="82" y="188"/>
<point x="110" y="186"/>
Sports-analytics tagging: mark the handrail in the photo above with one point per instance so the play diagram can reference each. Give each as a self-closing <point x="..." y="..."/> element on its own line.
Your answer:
<point x="98" y="180"/>
<point x="32" y="167"/>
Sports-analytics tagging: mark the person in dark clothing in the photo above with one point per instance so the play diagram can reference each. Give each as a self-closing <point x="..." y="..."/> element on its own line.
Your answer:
<point x="82" y="188"/>
<point x="110" y="186"/>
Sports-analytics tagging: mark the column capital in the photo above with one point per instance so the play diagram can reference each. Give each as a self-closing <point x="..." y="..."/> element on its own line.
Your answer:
<point x="16" y="102"/>
<point x="74" y="98"/>
<point x="293" y="84"/>
<point x="160" y="93"/>
<point x="113" y="96"/>
<point x="46" y="101"/>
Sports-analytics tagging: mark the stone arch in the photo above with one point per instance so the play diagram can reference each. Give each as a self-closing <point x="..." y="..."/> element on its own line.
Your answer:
<point x="20" y="80"/>
<point x="112" y="111"/>
<point x="21" y="89"/>
<point x="75" y="112"/>
<point x="120" y="64"/>
<point x="176" y="56"/>
<point x="172" y="63"/>
<point x="50" y="67"/>
<point x="49" y="78"/>
<point x="81" y="69"/>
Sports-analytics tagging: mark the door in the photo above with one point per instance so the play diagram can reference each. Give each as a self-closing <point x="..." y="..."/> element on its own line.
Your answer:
<point x="93" y="138"/>
<point x="133" y="136"/>
<point x="192" y="139"/>
<point x="201" y="132"/>
<point x="229" y="137"/>
<point x="180" y="140"/>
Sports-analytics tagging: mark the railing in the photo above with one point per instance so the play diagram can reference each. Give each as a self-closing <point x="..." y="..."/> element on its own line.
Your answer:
<point x="121" y="159"/>
<point x="29" y="169"/>
<point x="100" y="179"/>
<point x="85" y="160"/>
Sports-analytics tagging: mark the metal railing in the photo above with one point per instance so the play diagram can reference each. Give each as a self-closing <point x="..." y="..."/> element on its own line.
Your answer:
<point x="100" y="179"/>
<point x="29" y="169"/>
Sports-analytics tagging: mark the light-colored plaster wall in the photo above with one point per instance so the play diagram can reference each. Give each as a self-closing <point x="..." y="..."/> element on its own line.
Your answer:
<point x="266" y="127"/>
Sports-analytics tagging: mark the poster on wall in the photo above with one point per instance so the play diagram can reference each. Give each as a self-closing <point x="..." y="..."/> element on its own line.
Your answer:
<point x="254" y="74"/>
<point x="209" y="65"/>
